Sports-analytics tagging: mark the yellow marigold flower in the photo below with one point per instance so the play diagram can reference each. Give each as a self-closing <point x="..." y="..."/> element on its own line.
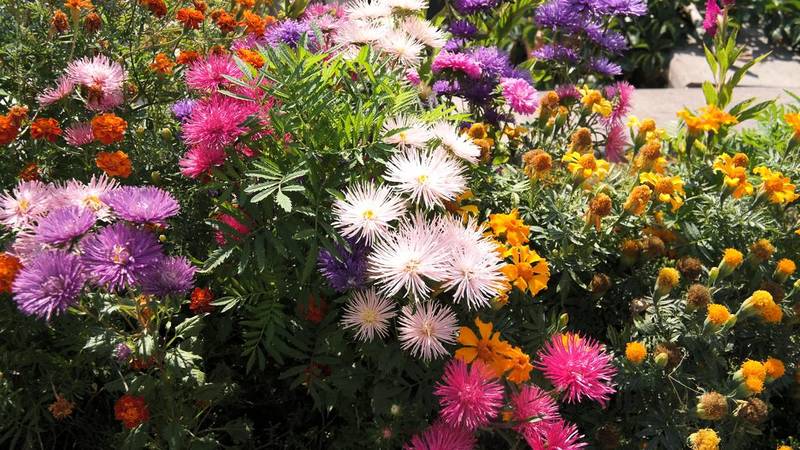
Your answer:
<point x="581" y="140"/>
<point x="594" y="101"/>
<point x="586" y="167"/>
<point x="772" y="313"/>
<point x="537" y="164"/>
<point x="754" y="385"/>
<point x="734" y="176"/>
<point x="646" y="126"/>
<point x="718" y="314"/>
<point x="599" y="207"/>
<point x="668" y="278"/>
<point x="638" y="200"/>
<point x="635" y="352"/>
<point x="784" y="447"/>
<point x="732" y="258"/>
<point x="713" y="118"/>
<point x="751" y="368"/>
<point x="528" y="271"/>
<point x="519" y="366"/>
<point x="487" y="347"/>
<point x="704" y="439"/>
<point x="693" y="123"/>
<point x="649" y="157"/>
<point x="775" y="186"/>
<point x="784" y="269"/>
<point x="762" y="250"/>
<point x="510" y="225"/>
<point x="775" y="368"/>
<point x="667" y="189"/>
<point x="793" y="120"/>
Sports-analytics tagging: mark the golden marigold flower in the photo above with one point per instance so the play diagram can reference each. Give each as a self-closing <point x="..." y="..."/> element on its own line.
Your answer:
<point x="693" y="123"/>
<point x="549" y="103"/>
<point x="486" y="348"/>
<point x="537" y="164"/>
<point x="784" y="447"/>
<point x="740" y="160"/>
<point x="734" y="175"/>
<point x="638" y="200"/>
<point x="772" y="313"/>
<point x="114" y="164"/>
<point x="510" y="225"/>
<point x="667" y="189"/>
<point x="635" y="352"/>
<point x="649" y="157"/>
<point x="732" y="258"/>
<point x="668" y="278"/>
<point x="46" y="129"/>
<point x="191" y="18"/>
<point x="784" y="269"/>
<point x="59" y="22"/>
<point x="599" y="207"/>
<point x="712" y="406"/>
<point x="581" y="140"/>
<point x="646" y="126"/>
<point x="751" y="368"/>
<point x="157" y="8"/>
<point x="586" y="168"/>
<point x="528" y="271"/>
<point x="704" y="439"/>
<point x="775" y="186"/>
<point x="162" y="64"/>
<point x="520" y="366"/>
<point x="713" y="118"/>
<point x="774" y="368"/>
<point x="224" y="21"/>
<point x="718" y="314"/>
<point x="77" y="5"/>
<point x="9" y="129"/>
<point x="108" y="128"/>
<point x="762" y="250"/>
<point x="515" y="132"/>
<point x="793" y="120"/>
<point x="594" y="101"/>
<point x="186" y="57"/>
<point x="253" y="23"/>
<point x="61" y="408"/>
<point x="9" y="268"/>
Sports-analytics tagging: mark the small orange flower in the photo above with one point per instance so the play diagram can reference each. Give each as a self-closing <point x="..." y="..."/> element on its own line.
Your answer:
<point x="253" y="23"/>
<point x="131" y="410"/>
<point x="157" y="8"/>
<point x="47" y="129"/>
<point x="30" y="172"/>
<point x="638" y="200"/>
<point x="92" y="23"/>
<point x="201" y="299"/>
<point x="187" y="57"/>
<point x="224" y="21"/>
<point x="162" y="64"/>
<point x="108" y="128"/>
<point x="9" y="268"/>
<point x="515" y="230"/>
<point x="200" y="5"/>
<point x="487" y="347"/>
<point x="59" y="22"/>
<point x="190" y="18"/>
<point x="246" y="4"/>
<point x="77" y="5"/>
<point x="8" y="130"/>
<point x="61" y="408"/>
<point x="114" y="164"/>
<point x="18" y="114"/>
<point x="251" y="57"/>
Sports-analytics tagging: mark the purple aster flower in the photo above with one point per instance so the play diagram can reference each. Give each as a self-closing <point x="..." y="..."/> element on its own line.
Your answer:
<point x="462" y="28"/>
<point x="170" y="275"/>
<point x="118" y="255"/>
<point x="621" y="7"/>
<point x="454" y="45"/>
<point x="479" y="92"/>
<point x="49" y="284"/>
<point x="446" y="87"/>
<point x="122" y="352"/>
<point x="348" y="270"/>
<point x="468" y="7"/>
<point x="603" y="66"/>
<point x="287" y="32"/>
<point x="494" y="62"/>
<point x="558" y="14"/>
<point x="145" y="204"/>
<point x="555" y="52"/>
<point x="64" y="225"/>
<point x="182" y="109"/>
<point x="457" y="62"/>
<point x="610" y="40"/>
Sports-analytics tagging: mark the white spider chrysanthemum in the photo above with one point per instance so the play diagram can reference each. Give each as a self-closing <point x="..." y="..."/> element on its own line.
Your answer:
<point x="401" y="46"/>
<point x="21" y="207"/>
<point x="367" y="211"/>
<point x="422" y="30"/>
<point x="369" y="314"/>
<point x="406" y="258"/>
<point x="359" y="32"/>
<point x="425" y="329"/>
<point x="473" y="265"/>
<point x="459" y="144"/>
<point x="413" y="133"/>
<point x="429" y="177"/>
<point x="366" y="10"/>
<point x="75" y="193"/>
<point x="406" y="6"/>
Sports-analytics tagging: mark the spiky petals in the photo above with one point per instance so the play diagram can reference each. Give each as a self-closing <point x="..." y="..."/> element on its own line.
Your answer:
<point x="118" y="255"/>
<point x="64" y="225"/>
<point x="217" y="121"/>
<point x="459" y="144"/>
<point x="24" y="204"/>
<point x="169" y="276"/>
<point x="367" y="211"/>
<point x="441" y="436"/>
<point x="369" y="314"/>
<point x="144" y="204"/>
<point x="579" y="367"/>
<point x="405" y="131"/>
<point x="429" y="177"/>
<point x="554" y="434"/>
<point x="49" y="284"/>
<point x="200" y="159"/>
<point x="424" y="329"/>
<point x="209" y="74"/>
<point x="469" y="395"/>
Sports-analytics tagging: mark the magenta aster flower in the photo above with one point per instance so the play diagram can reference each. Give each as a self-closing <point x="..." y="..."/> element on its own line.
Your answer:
<point x="169" y="276"/>
<point x="520" y="95"/>
<point x="217" y="121"/>
<point x="425" y="329"/>
<point x="209" y="74"/>
<point x="65" y="224"/>
<point x="554" y="434"/>
<point x="712" y="13"/>
<point x="441" y="436"/>
<point x="579" y="367"/>
<point x="79" y="134"/>
<point x="103" y="80"/>
<point x="622" y="94"/>
<point x="49" y="284"/>
<point x="457" y="62"/>
<point x="470" y="396"/>
<point x="200" y="160"/>
<point x="616" y="140"/>
<point x="533" y="403"/>
<point x="568" y="92"/>
<point x="145" y="204"/>
<point x="118" y="255"/>
<point x="21" y="207"/>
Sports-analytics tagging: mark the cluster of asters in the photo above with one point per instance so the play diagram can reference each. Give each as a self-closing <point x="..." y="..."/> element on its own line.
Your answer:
<point x="72" y="235"/>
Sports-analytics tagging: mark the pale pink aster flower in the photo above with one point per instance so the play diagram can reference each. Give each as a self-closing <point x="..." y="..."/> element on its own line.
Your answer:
<point x="366" y="10"/>
<point x="458" y="144"/>
<point x="367" y="211"/>
<point x="532" y="405"/>
<point x="401" y="47"/>
<point x="404" y="131"/>
<point x="217" y="121"/>
<point x="79" y="134"/>
<point x="429" y="177"/>
<point x="422" y="30"/>
<point x="407" y="6"/>
<point x="520" y="95"/>
<point x="75" y="193"/>
<point x="457" y="62"/>
<point x="21" y="207"/>
<point x="405" y="258"/>
<point x="578" y="367"/>
<point x="369" y="314"/>
<point x="64" y="87"/>
<point x="102" y="78"/>
<point x="441" y="436"/>
<point x="200" y="159"/>
<point x="554" y="434"/>
<point x="209" y="74"/>
<point x="359" y="32"/>
<point x="424" y="329"/>
<point x="470" y="396"/>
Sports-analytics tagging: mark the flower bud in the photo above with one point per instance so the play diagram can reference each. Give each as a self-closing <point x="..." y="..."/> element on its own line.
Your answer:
<point x="166" y="133"/>
<point x="662" y="359"/>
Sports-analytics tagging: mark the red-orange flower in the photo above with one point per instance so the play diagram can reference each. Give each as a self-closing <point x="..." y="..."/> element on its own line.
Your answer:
<point x="131" y="410"/>
<point x="156" y="7"/>
<point x="187" y="57"/>
<point x="315" y="311"/>
<point x="18" y="114"/>
<point x="108" y="128"/>
<point x="224" y="21"/>
<point x="162" y="64"/>
<point x="9" y="268"/>
<point x="59" y="22"/>
<point x="200" y="5"/>
<point x="253" y="23"/>
<point x="201" y="301"/>
<point x="251" y="57"/>
<point x="47" y="129"/>
<point x="190" y="18"/>
<point x="92" y="23"/>
<point x="30" y="172"/>
<point x="8" y="130"/>
<point x="114" y="164"/>
<point x="77" y="5"/>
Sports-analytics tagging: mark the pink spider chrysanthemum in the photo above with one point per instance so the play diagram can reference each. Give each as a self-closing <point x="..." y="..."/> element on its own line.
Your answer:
<point x="406" y="258"/>
<point x="441" y="436"/>
<point x="200" y="160"/>
<point x="64" y="87"/>
<point x="622" y="94"/>
<point x="103" y="80"/>
<point x="532" y="405"/>
<point x="217" y="121"/>
<point x="79" y="134"/>
<point x="209" y="74"/>
<point x="470" y="396"/>
<point x="20" y="208"/>
<point x="457" y="62"/>
<point x="369" y="314"/>
<point x="520" y="95"/>
<point x="555" y="435"/>
<point x="578" y="367"/>
<point x="367" y="211"/>
<point x="424" y="329"/>
<point x="428" y="177"/>
<point x="616" y="140"/>
<point x="75" y="193"/>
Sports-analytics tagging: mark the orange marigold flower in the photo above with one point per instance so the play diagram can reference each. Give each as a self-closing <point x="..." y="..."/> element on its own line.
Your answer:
<point x="217" y="50"/>
<point x="9" y="268"/>
<point x="9" y="130"/>
<point x="638" y="200"/>
<point x="732" y="258"/>
<point x="157" y="8"/>
<point x="635" y="352"/>
<point x="510" y="225"/>
<point x="775" y="186"/>
<point x="754" y="384"/>
<point x="29" y="173"/>
<point x="775" y="368"/>
<point x="18" y="114"/>
<point x="190" y="18"/>
<point x="47" y="129"/>
<point x="751" y="368"/>
<point x="200" y="5"/>
<point x="59" y="22"/>
<point x="114" y="164"/>
<point x="77" y="5"/>
<point x="528" y="271"/>
<point x="61" y="408"/>
<point x="253" y="23"/>
<point x="92" y="23"/>
<point x="793" y="120"/>
<point x="487" y="348"/>
<point x="131" y="410"/>
<point x="537" y="164"/>
<point x="201" y="299"/>
<point x="784" y="269"/>
<point x="187" y="57"/>
<point x="734" y="175"/>
<point x="224" y="21"/>
<point x="162" y="64"/>
<point x="251" y="57"/>
<point x="718" y="314"/>
<point x="246" y="4"/>
<point x="520" y="366"/>
<point x="108" y="128"/>
<point x="599" y="207"/>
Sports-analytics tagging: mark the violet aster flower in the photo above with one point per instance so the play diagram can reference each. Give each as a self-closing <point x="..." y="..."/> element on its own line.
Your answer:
<point x="494" y="62"/>
<point x="623" y="7"/>
<point x="122" y="352"/>
<point x="455" y="45"/>
<point x="603" y="66"/>
<point x="118" y="255"/>
<point x="456" y="62"/>
<point x="555" y="52"/>
<point x="287" y="32"/>
<point x="49" y="284"/>
<point x="446" y="87"/>
<point x="468" y="7"/>
<point x="462" y="28"/>
<point x="64" y="225"/>
<point x="145" y="204"/>
<point x="347" y="269"/>
<point x="169" y="276"/>
<point x="558" y="14"/>
<point x="182" y="109"/>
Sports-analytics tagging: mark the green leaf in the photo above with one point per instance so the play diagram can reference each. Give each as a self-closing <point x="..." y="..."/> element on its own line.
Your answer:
<point x="283" y="201"/>
<point x="710" y="93"/>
